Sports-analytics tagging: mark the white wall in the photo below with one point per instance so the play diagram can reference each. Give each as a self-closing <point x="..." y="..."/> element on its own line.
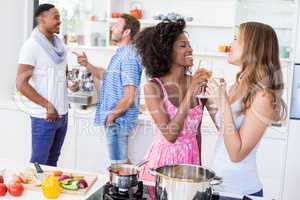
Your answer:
<point x="15" y="125"/>
<point x="292" y="176"/>
<point x="12" y="20"/>
<point x="297" y="55"/>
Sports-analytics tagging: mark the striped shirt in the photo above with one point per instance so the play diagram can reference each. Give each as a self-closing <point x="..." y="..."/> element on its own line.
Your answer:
<point x="124" y="69"/>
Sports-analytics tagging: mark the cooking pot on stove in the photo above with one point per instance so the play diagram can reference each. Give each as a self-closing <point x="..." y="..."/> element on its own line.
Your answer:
<point x="124" y="176"/>
<point x="184" y="182"/>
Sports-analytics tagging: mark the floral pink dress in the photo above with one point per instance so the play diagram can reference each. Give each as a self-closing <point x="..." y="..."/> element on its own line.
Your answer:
<point x="184" y="151"/>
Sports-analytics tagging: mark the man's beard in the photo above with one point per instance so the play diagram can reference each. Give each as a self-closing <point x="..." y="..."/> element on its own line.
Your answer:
<point x="116" y="38"/>
<point x="57" y="31"/>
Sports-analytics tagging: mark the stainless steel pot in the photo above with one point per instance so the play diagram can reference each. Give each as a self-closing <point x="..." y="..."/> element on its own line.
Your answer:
<point x="124" y="176"/>
<point x="184" y="182"/>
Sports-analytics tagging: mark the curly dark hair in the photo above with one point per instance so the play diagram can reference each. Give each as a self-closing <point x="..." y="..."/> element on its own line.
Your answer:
<point x="155" y="46"/>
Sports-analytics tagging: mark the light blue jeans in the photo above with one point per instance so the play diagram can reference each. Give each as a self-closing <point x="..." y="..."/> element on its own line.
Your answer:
<point x="117" y="144"/>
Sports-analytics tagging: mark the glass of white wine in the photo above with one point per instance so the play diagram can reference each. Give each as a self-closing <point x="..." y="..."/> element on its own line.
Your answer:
<point x="218" y="77"/>
<point x="208" y="66"/>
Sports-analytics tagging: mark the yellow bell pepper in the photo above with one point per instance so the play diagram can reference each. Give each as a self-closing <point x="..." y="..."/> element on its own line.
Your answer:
<point x="50" y="187"/>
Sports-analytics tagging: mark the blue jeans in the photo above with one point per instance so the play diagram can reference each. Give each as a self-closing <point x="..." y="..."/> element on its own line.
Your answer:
<point x="47" y="139"/>
<point x="258" y="194"/>
<point x="117" y="144"/>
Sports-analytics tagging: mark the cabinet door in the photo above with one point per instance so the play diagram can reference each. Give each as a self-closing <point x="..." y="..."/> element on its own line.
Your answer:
<point x="270" y="156"/>
<point x="297" y="55"/>
<point x="15" y="142"/>
<point x="67" y="156"/>
<point x="91" y="147"/>
<point x="271" y="166"/>
<point x="140" y="141"/>
<point x="292" y="176"/>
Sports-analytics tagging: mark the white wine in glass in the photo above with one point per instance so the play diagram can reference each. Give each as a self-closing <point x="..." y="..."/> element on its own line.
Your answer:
<point x="208" y="66"/>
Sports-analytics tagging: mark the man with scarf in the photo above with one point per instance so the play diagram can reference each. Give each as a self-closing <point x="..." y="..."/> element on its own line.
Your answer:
<point x="41" y="78"/>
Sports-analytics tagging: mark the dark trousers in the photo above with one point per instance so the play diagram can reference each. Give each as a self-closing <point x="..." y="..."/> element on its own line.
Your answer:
<point x="258" y="194"/>
<point x="47" y="139"/>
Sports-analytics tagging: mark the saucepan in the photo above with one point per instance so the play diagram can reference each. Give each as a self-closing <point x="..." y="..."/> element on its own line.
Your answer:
<point x="124" y="176"/>
<point x="184" y="181"/>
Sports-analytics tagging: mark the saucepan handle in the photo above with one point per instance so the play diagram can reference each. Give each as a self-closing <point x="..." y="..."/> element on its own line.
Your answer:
<point x="139" y="164"/>
<point x="216" y="181"/>
<point x="152" y="171"/>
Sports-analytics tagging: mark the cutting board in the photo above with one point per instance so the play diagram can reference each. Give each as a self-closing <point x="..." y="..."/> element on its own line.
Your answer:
<point x="88" y="177"/>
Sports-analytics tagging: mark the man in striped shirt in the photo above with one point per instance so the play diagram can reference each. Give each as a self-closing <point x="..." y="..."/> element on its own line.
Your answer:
<point x="118" y="102"/>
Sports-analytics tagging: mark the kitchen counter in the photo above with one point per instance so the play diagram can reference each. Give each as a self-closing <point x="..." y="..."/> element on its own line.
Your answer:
<point x="273" y="132"/>
<point x="90" y="112"/>
<point x="12" y="167"/>
<point x="94" y="193"/>
<point x="150" y="194"/>
<point x="82" y="133"/>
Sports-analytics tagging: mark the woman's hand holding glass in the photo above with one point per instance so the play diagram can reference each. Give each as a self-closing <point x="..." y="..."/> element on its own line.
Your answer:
<point x="199" y="80"/>
<point x="216" y="91"/>
<point x="206" y="67"/>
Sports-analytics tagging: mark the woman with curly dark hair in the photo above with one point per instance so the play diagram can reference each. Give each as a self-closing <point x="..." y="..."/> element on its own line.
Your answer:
<point x="170" y="98"/>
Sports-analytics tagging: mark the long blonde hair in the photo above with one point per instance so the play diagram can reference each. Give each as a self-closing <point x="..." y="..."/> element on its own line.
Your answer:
<point x="261" y="69"/>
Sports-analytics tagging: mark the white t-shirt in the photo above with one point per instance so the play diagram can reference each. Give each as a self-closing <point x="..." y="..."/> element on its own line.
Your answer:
<point x="48" y="79"/>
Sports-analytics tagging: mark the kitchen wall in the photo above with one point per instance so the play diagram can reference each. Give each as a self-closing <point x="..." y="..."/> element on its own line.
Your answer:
<point x="15" y="20"/>
<point x="297" y="54"/>
<point x="12" y="35"/>
<point x="292" y="175"/>
<point x="11" y="38"/>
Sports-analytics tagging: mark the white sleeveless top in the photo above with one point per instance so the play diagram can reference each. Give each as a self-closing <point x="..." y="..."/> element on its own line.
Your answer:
<point x="238" y="177"/>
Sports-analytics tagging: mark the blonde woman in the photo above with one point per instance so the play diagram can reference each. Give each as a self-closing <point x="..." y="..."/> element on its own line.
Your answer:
<point x="252" y="103"/>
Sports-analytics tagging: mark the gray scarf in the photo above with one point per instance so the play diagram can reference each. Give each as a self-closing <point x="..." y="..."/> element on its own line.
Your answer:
<point x="56" y="51"/>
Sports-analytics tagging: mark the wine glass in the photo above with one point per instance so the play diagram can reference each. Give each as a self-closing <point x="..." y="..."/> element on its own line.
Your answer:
<point x="208" y="65"/>
<point x="218" y="77"/>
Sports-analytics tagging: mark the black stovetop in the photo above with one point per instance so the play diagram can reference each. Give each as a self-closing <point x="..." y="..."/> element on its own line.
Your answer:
<point x="148" y="194"/>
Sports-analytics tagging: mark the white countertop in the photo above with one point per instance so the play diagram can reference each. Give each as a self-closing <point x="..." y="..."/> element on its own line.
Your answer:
<point x="12" y="167"/>
<point x="89" y="112"/>
<point x="272" y="132"/>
